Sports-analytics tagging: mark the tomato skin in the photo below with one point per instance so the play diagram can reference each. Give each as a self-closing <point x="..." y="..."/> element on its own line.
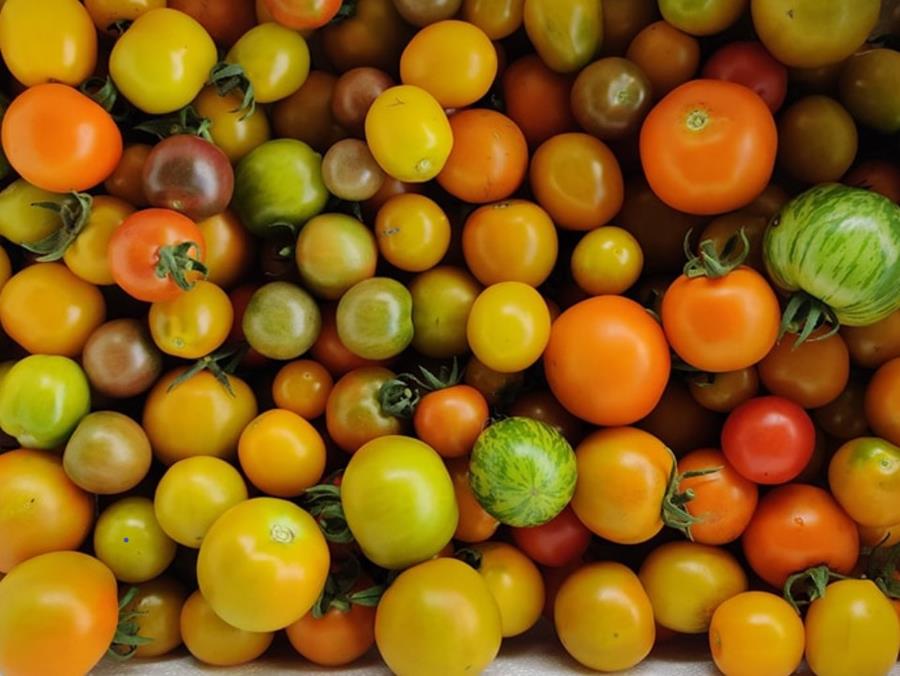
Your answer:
<point x="353" y="413"/>
<point x="450" y="420"/>
<point x="442" y="300"/>
<point x="556" y="543"/>
<point x="236" y="133"/>
<point x="607" y="260"/>
<point x="882" y="400"/>
<point x="159" y="603"/>
<point x="749" y="64"/>
<point x="106" y="13"/>
<point x="129" y="540"/>
<point x="515" y="583"/>
<point x="275" y="60"/>
<point x="537" y="99"/>
<point x="864" y="477"/>
<point x="498" y="19"/>
<point x="373" y="36"/>
<point x="194" y="324"/>
<point x="873" y="345"/>
<point x="225" y="20"/>
<point x="565" y="33"/>
<point x="667" y="56"/>
<point x="86" y="256"/>
<point x="120" y="359"/>
<point x="797" y="526"/>
<point x="48" y="41"/>
<point x="752" y="619"/>
<point x="413" y="232"/>
<point x="542" y="405"/>
<point x="337" y="638"/>
<point x="811" y="374"/>
<point x="303" y="386"/>
<point x="302" y="15"/>
<point x="76" y="596"/>
<point x="213" y="641"/>
<point x="127" y="180"/>
<point x="802" y="147"/>
<point x="880" y="176"/>
<point x="229" y="248"/>
<point x="692" y="164"/>
<point x="41" y="509"/>
<point x="475" y="524"/>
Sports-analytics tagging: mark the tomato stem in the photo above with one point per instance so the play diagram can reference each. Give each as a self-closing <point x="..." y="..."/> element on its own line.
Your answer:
<point x="175" y="261"/>
<point x="211" y="362"/>
<point x="126" y="640"/>
<point x="185" y="121"/>
<point x="338" y="591"/>
<point x="674" y="513"/>
<point x="74" y="213"/>
<point x="883" y="565"/>
<point x="323" y="502"/>
<point x="711" y="263"/>
<point x="803" y="315"/>
<point x="400" y="396"/>
<point x="469" y="556"/>
<point x="814" y="580"/>
<point x="231" y="77"/>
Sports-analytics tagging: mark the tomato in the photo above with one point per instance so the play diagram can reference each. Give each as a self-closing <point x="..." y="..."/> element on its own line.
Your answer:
<point x="803" y="149"/>
<point x="607" y="260"/>
<point x="866" y="89"/>
<point x="603" y="617"/>
<point x="811" y="374"/>
<point x="752" y="619"/>
<point x="723" y="392"/>
<point x="158" y="605"/>
<point x="162" y="61"/>
<point x="408" y="133"/>
<point x="331" y="352"/>
<point x="797" y="526"/>
<point x="537" y="99"/>
<point x="48" y="41"/>
<point x="667" y="56"/>
<point x="41" y="509"/>
<point x="274" y="59"/>
<point x="60" y="140"/>
<point x="374" y="318"/>
<point x="710" y="17"/>
<point x="878" y="175"/>
<point x="76" y="596"/>
<point x="458" y="626"/>
<point x="21" y="223"/>
<point x="302" y="386"/>
<point x="282" y="321"/>
<point x="852" y="629"/>
<point x="353" y="414"/>
<point x="769" y="439"/>
<point x="577" y="179"/>
<point x="844" y="418"/>
<point x="127" y="180"/>
<point x="424" y="12"/>
<point x="450" y="419"/>
<point x="86" y="256"/>
<point x="873" y="345"/>
<point x="497" y="18"/>
<point x="193" y="324"/>
<point x="811" y="33"/>
<point x="399" y="501"/>
<point x="687" y="581"/>
<point x="475" y="524"/>
<point x="120" y="359"/>
<point x="108" y="453"/>
<point x="864" y="476"/>
<point x="229" y="248"/>
<point x="109" y="15"/>
<point x="303" y="15"/>
<point x="882" y="400"/>
<point x="213" y="641"/>
<point x="337" y="638"/>
<point x="306" y="114"/>
<point x="611" y="97"/>
<point x="584" y="376"/>
<point x="692" y="164"/>
<point x="353" y="95"/>
<point x="42" y="400"/>
<point x="334" y="252"/>
<point x="508" y="326"/>
<point x="129" y="540"/>
<point x="372" y="36"/>
<point x="150" y="254"/>
<point x="724" y="232"/>
<point x="722" y="501"/>
<point x="350" y="172"/>
<point x="749" y="64"/>
<point x="489" y="158"/>
<point x="48" y="310"/>
<point x="565" y="34"/>
<point x="454" y="61"/>
<point x="442" y="299"/>
<point x="235" y="132"/>
<point x="413" y="232"/>
<point x="225" y="20"/>
<point x="197" y="417"/>
<point x="515" y="583"/>
<point x="557" y="543"/>
<point x="192" y="494"/>
<point x="680" y="422"/>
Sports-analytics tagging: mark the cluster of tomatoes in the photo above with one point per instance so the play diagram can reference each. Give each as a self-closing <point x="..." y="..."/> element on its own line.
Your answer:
<point x="402" y="323"/>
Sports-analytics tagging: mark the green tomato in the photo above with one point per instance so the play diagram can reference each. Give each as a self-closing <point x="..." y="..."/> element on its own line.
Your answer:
<point x="279" y="184"/>
<point x="129" y="540"/>
<point x="282" y="321"/>
<point x="869" y="89"/>
<point x="20" y="221"/>
<point x="565" y="33"/>
<point x="42" y="399"/>
<point x="442" y="299"/>
<point x="334" y="252"/>
<point x="374" y="318"/>
<point x="702" y="17"/>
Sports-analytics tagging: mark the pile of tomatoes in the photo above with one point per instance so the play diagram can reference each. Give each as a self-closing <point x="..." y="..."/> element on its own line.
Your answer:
<point x="400" y="324"/>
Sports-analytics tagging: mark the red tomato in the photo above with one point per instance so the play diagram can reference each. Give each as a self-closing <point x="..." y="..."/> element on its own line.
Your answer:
<point x="556" y="543"/>
<point x="303" y="14"/>
<point x="749" y="64"/>
<point x="768" y="440"/>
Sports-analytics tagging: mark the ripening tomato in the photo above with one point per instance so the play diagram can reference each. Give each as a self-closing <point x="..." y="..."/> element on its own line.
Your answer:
<point x="329" y="351"/>
<point x="129" y="540"/>
<point x="302" y="386"/>
<point x="274" y="59"/>
<point x="337" y="638"/>
<point x="537" y="99"/>
<point x="723" y="392"/>
<point x="811" y="374"/>
<point x="708" y="18"/>
<point x="667" y="56"/>
<point x="229" y="248"/>
<point x="193" y="324"/>
<point x="692" y="164"/>
<point x="353" y="415"/>
<point x="557" y="543"/>
<point x="127" y="180"/>
<point x="873" y="345"/>
<point x="373" y="36"/>
<point x="110" y="16"/>
<point x="607" y="260"/>
<point x="475" y="524"/>
<point x="864" y="477"/>
<point x="86" y="256"/>
<point x="749" y="64"/>
<point x="450" y="419"/>
<point x="412" y="232"/>
<point x="515" y="583"/>
<point x="234" y="131"/>
<point x="302" y="15"/>
<point x="213" y="641"/>
<point x="882" y="401"/>
<point x="542" y="405"/>
<point x="817" y="140"/>
<point x="306" y="114"/>
<point x="157" y="607"/>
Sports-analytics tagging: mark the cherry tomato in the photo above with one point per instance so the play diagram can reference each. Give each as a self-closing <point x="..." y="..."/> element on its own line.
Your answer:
<point x="607" y="260"/>
<point x="557" y="543"/>
<point x="680" y="422"/>
<point x="302" y="386"/>
<point x="537" y="99"/>
<point x="497" y="18"/>
<point x="413" y="232"/>
<point x="863" y="476"/>
<point x="275" y="61"/>
<point x="566" y="34"/>
<point x="707" y="19"/>
<point x="749" y="64"/>
<point x="450" y="419"/>
<point x="213" y="641"/>
<point x="225" y="20"/>
<point x="158" y="605"/>
<point x="611" y="97"/>
<point x="110" y="15"/>
<point x="442" y="299"/>
<point x="354" y="93"/>
<point x="873" y="345"/>
<point x="303" y="15"/>
<point x="235" y="132"/>
<point x="844" y="418"/>
<point x="331" y="352"/>
<point x="120" y="359"/>
<point x="879" y="175"/>
<point x="86" y="256"/>
<point x="667" y="56"/>
<point x="337" y="638"/>
<point x="129" y="540"/>
<point x="229" y="248"/>
<point x="475" y="524"/>
<point x="333" y="253"/>
<point x="803" y="150"/>
<point x="811" y="374"/>
<point x="350" y="172"/>
<point x="724" y="231"/>
<point x="353" y="414"/>
<point x="373" y="36"/>
<point x="194" y="324"/>
<point x="542" y="405"/>
<point x="882" y="400"/>
<point x="306" y="114"/>
<point x="515" y="583"/>
<point x="127" y="180"/>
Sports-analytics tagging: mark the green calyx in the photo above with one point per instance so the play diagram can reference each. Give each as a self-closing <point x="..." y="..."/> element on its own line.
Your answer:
<point x="812" y="583"/>
<point x="176" y="261"/>
<point x="74" y="213"/>
<point x="323" y="502"/>
<point x="803" y="315"/>
<point x="709" y="262"/>
<point x="185" y="121"/>
<point x="231" y="77"/>
<point x="400" y="396"/>
<point x="221" y="364"/>
<point x="338" y="592"/>
<point x="126" y="640"/>
<point x="674" y="513"/>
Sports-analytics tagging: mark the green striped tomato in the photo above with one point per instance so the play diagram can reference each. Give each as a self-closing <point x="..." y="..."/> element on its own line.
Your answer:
<point x="840" y="245"/>
<point x="522" y="471"/>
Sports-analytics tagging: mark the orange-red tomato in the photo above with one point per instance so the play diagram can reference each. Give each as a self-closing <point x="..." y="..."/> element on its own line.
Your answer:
<point x="337" y="638"/>
<point x="537" y="99"/>
<point x="811" y="374"/>
<point x="127" y="179"/>
<point x="450" y="420"/>
<point x="666" y="55"/>
<point x="229" y="248"/>
<point x="709" y="147"/>
<point x="303" y="387"/>
<point x="883" y="402"/>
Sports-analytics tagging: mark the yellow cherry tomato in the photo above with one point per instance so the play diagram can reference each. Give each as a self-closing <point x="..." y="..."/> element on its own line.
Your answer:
<point x="303" y="387"/>
<point x="275" y="60"/>
<point x="86" y="256"/>
<point x="46" y="309"/>
<point x="162" y="61"/>
<point x="193" y="324"/>
<point x="192" y="494"/>
<point x="5" y="267"/>
<point x="454" y="61"/>
<point x="158" y="605"/>
<point x="412" y="232"/>
<point x="408" y="133"/>
<point x="442" y="299"/>
<point x="48" y="40"/>
<point x="22" y="223"/>
<point x="497" y="18"/>
<point x="508" y="326"/>
<point x="515" y="583"/>
<point x="213" y="641"/>
<point x="281" y="453"/>
<point x="107" y="13"/>
<point x="229" y="248"/>
<point x="607" y="260"/>
<point x="232" y="129"/>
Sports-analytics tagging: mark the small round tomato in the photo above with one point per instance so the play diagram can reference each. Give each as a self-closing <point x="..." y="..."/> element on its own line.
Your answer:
<point x="350" y="172"/>
<point x="46" y="309"/>
<point x="374" y="318"/>
<point x="882" y="401"/>
<point x="87" y="255"/>
<point x="457" y="622"/>
<point x="334" y="252"/>
<point x="475" y="524"/>
<point x="109" y="15"/>
<point x="557" y="543"/>
<point x="866" y="88"/>
<point x="811" y="374"/>
<point x="873" y="345"/>
<point x="508" y="326"/>
<point x="567" y="34"/>
<point x="41" y="509"/>
<point x="213" y="641"/>
<point x="725" y="391"/>
<point x="129" y="540"/>
<point x="157" y="607"/>
<point x="542" y="405"/>
<point x="510" y="241"/>
<point x="274" y="59"/>
<point x="413" y="232"/>
<point x="229" y="248"/>
<point x="497" y="18"/>
<point x="408" y="133"/>
<point x="667" y="56"/>
<point x="749" y="64"/>
<point x="515" y="583"/>
<point x="353" y="415"/>
<point x="234" y="131"/>
<point x="198" y="416"/>
<point x="680" y="422"/>
<point x="752" y="619"/>
<point x="373" y="36"/>
<point x="577" y="179"/>
<point x="354" y="93"/>
<point x="725" y="232"/>
<point x="194" y="324"/>
<point x="454" y="61"/>
<point x="687" y="581"/>
<point x="120" y="359"/>
<point x="769" y="439"/>
<point x="335" y="639"/>
<point x="281" y="321"/>
<point x="879" y="176"/>
<point x="864" y="477"/>
<point x="611" y="97"/>
<point x="127" y="180"/>
<point x="607" y="260"/>
<point x="76" y="596"/>
<point x="712" y="16"/>
<point x="52" y="41"/>
<point x="604" y="618"/>
<point x="817" y="140"/>
<point x="302" y="15"/>
<point x="795" y="527"/>
<point x="537" y="99"/>
<point x="442" y="299"/>
<point x="302" y="386"/>
<point x="450" y="419"/>
<point x="192" y="494"/>
<point x="225" y="20"/>
<point x="844" y="418"/>
<point x="306" y="114"/>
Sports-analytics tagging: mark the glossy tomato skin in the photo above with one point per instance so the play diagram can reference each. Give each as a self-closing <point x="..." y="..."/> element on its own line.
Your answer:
<point x="353" y="413"/>
<point x="749" y="64"/>
<point x="302" y="16"/>
<point x="565" y="33"/>
<point x="302" y="386"/>
<point x="353" y="95"/>
<point x="275" y="60"/>
<point x="213" y="641"/>
<point x="86" y="256"/>
<point x="667" y="56"/>
<point x="802" y="147"/>
<point x="811" y="374"/>
<point x="692" y="164"/>
<point x="350" y="171"/>
<point x="864" y="477"/>
<point x="120" y="359"/>
<point x="128" y="539"/>
<point x="475" y="524"/>
<point x="882" y="398"/>
<point x="611" y="97"/>
<point x="873" y="345"/>
<point x="412" y="231"/>
<point x="537" y="99"/>
<point x="225" y="21"/>
<point x="450" y="419"/>
<point x="442" y="299"/>
<point x="556" y="543"/>
<point x="373" y="36"/>
<point x="235" y="132"/>
<point x="797" y="526"/>
<point x="159" y="603"/>
<point x="337" y="638"/>
<point x="515" y="583"/>
<point x="126" y="181"/>
<point x="194" y="324"/>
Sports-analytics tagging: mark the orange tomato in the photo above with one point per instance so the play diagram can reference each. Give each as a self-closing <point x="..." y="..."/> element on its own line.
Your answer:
<point x="667" y="56"/>
<point x="873" y="345"/>
<point x="722" y="392"/>
<point x="475" y="524"/>
<point x="883" y="401"/>
<point x="811" y="374"/>
<point x="337" y="638"/>
<point x="450" y="420"/>
<point x="537" y="99"/>
<point x="127" y="179"/>
<point x="229" y="248"/>
<point x="303" y="387"/>
<point x="412" y="232"/>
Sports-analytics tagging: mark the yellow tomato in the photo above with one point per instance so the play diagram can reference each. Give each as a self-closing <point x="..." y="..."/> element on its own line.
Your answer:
<point x="128" y="539"/>
<point x="607" y="260"/>
<point x="193" y="324"/>
<point x="232" y="129"/>
<point x="497" y="18"/>
<point x="515" y="583"/>
<point x="303" y="387"/>
<point x="508" y="326"/>
<point x="162" y="61"/>
<point x="281" y="453"/>
<point x="442" y="299"/>
<point x="22" y="223"/>
<point x="412" y="232"/>
<point x="213" y="641"/>
<point x="275" y="60"/>
<point x="49" y="40"/>
<point x="86" y="256"/>
<point x="46" y="309"/>
<point x="408" y="133"/>
<point x="229" y="248"/>
<point x="158" y="605"/>
<point x="454" y="61"/>
<point x="107" y="13"/>
<point x="5" y="267"/>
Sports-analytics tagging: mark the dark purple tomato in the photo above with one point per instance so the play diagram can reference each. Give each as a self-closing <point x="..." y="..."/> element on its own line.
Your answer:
<point x="188" y="174"/>
<point x="353" y="94"/>
<point x="120" y="359"/>
<point x="611" y="97"/>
